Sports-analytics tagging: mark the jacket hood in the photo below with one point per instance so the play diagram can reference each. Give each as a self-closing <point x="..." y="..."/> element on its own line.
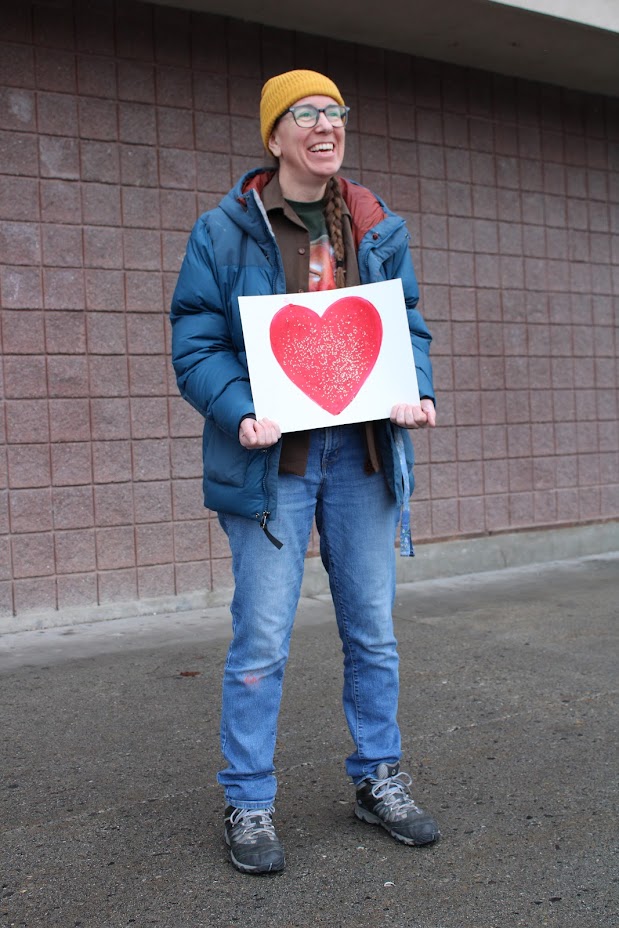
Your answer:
<point x="367" y="210"/>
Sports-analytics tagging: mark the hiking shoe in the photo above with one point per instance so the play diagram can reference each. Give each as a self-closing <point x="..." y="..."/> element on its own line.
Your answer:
<point x="254" y="846"/>
<point x="384" y="799"/>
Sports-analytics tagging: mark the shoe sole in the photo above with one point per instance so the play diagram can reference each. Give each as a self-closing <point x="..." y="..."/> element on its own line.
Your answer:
<point x="254" y="871"/>
<point x="364" y="816"/>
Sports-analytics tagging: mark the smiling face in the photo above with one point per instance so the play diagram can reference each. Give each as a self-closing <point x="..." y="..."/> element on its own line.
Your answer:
<point x="307" y="157"/>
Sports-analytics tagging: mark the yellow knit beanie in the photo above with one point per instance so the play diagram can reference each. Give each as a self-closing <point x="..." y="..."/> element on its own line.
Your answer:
<point x="282" y="91"/>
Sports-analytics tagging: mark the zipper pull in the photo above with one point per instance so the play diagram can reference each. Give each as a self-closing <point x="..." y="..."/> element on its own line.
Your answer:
<point x="263" y="525"/>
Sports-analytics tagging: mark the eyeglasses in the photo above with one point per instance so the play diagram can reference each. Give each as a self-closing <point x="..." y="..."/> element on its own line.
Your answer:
<point x="306" y="116"/>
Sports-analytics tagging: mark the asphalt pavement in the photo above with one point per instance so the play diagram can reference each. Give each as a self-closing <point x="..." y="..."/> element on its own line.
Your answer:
<point x="111" y="816"/>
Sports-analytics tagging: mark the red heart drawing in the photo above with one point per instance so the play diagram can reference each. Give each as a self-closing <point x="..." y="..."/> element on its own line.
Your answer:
<point x="328" y="357"/>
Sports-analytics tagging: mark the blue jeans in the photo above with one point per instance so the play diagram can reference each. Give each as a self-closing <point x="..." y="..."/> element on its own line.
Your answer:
<point x="356" y="517"/>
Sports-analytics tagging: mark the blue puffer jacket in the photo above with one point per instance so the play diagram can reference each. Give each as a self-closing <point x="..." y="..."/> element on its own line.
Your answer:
<point x="232" y="252"/>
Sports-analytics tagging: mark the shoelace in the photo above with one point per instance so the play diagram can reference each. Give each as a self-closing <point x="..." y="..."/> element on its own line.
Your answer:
<point x="250" y="824"/>
<point x="393" y="791"/>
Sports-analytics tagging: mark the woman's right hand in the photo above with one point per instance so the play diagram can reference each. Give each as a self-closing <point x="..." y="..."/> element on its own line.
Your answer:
<point x="259" y="433"/>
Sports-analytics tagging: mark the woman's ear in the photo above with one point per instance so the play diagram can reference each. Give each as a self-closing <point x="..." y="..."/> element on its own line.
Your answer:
<point x="274" y="146"/>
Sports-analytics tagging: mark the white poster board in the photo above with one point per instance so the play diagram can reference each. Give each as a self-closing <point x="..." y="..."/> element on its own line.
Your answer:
<point x="330" y="357"/>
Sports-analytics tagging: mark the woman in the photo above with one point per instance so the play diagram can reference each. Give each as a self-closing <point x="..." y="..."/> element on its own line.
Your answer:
<point x="295" y="228"/>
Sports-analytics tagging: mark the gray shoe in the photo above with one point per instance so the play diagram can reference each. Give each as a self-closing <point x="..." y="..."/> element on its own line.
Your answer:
<point x="254" y="846"/>
<point x="384" y="799"/>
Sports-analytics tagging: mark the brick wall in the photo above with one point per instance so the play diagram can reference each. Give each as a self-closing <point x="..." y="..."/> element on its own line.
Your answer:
<point x="119" y="124"/>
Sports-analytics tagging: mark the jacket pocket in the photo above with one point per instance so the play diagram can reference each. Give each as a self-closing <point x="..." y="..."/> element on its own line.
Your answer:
<point x="225" y="459"/>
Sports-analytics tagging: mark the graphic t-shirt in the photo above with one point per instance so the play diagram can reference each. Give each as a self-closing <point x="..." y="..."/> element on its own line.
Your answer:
<point x="322" y="259"/>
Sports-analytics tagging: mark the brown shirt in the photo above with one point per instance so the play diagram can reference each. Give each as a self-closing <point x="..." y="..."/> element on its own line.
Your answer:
<point x="294" y="245"/>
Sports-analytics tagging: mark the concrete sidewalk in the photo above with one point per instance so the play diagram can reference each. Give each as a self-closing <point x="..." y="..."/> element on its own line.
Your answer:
<point x="111" y="816"/>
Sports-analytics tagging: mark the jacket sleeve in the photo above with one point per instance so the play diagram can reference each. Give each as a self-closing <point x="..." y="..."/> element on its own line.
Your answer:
<point x="420" y="334"/>
<point x="209" y="373"/>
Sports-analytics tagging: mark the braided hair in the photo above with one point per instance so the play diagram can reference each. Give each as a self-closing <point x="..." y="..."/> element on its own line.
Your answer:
<point x="333" y="217"/>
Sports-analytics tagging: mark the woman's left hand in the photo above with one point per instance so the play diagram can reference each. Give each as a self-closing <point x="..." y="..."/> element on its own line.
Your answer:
<point x="414" y="417"/>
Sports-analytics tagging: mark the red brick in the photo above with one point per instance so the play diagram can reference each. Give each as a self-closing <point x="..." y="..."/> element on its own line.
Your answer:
<point x="115" y="547"/>
<point x="172" y="36"/>
<point x="16" y="64"/>
<point x="521" y="509"/>
<point x="177" y="168"/>
<point x="211" y="172"/>
<point x="148" y="375"/>
<point x="57" y="114"/>
<point x="138" y="165"/>
<point x="496" y="512"/>
<point x="443" y="445"/>
<point x="117" y="586"/>
<point x="98" y="119"/>
<point x="106" y="333"/>
<point x="21" y="287"/>
<point x="110" y="419"/>
<point x="19" y="153"/>
<point x="175" y="127"/>
<point x="26" y="421"/>
<point x="71" y="463"/>
<point x="221" y="574"/>
<point x="136" y="82"/>
<point x="100" y="162"/>
<point x="55" y="70"/>
<point x="174" y="87"/>
<point x="156" y="581"/>
<point x="53" y="27"/>
<point x="186" y="457"/>
<point x="140" y="207"/>
<point x="173" y="246"/>
<point x="108" y="375"/>
<point x="28" y="466"/>
<point x="75" y="552"/>
<point x="59" y="157"/>
<point x="472" y="515"/>
<point x="67" y="376"/>
<point x="145" y="334"/>
<point x="496" y="476"/>
<point x="19" y="198"/>
<point x="60" y="201"/>
<point x="96" y="76"/>
<point x="95" y="31"/>
<point x="65" y="332"/>
<point x="32" y="555"/>
<point x="444" y="518"/>
<point x="101" y="204"/>
<point x="151" y="459"/>
<point x="5" y="574"/>
<point x="63" y="288"/>
<point x="192" y="576"/>
<point x="34" y="595"/>
<point x="184" y="420"/>
<point x="179" y="210"/>
<point x="142" y="249"/>
<point x="62" y="245"/>
<point x="114" y="504"/>
<point x="22" y="332"/>
<point x="105" y="289"/>
<point x="30" y="510"/>
<point x="192" y="539"/>
<point x="77" y="590"/>
<point x="153" y="502"/>
<point x="137" y="125"/>
<point x="73" y="507"/>
<point x="24" y="380"/>
<point x="17" y="109"/>
<point x="154" y="544"/>
<point x="144" y="294"/>
<point x="103" y="247"/>
<point x="149" y="417"/>
<point x="111" y="461"/>
<point x="69" y="420"/>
